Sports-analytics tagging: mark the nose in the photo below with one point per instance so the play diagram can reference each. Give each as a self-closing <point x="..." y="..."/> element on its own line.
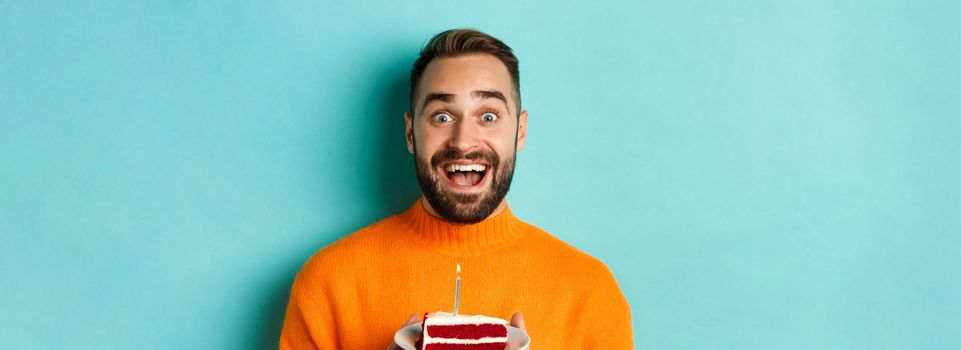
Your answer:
<point x="465" y="136"/>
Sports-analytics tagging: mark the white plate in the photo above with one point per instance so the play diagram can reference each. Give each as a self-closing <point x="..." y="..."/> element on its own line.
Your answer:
<point x="407" y="336"/>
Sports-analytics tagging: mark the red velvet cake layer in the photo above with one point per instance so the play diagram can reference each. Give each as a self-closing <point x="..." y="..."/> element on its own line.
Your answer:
<point x="468" y="331"/>
<point x="487" y="346"/>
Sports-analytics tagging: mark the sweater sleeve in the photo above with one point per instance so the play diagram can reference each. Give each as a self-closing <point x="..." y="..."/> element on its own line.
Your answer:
<point x="308" y="323"/>
<point x="610" y="314"/>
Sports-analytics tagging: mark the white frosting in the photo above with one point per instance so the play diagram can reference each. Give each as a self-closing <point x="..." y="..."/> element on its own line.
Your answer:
<point x="448" y="319"/>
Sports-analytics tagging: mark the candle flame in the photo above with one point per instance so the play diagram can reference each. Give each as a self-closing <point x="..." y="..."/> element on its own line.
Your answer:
<point x="458" y="268"/>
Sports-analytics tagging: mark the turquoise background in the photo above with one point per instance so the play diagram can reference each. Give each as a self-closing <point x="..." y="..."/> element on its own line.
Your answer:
<point x="758" y="175"/>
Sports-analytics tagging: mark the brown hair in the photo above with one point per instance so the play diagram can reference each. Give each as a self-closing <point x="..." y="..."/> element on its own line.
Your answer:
<point x="460" y="42"/>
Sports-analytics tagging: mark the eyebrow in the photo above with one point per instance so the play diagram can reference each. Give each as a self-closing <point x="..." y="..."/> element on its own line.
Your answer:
<point x="482" y="94"/>
<point x="486" y="94"/>
<point x="436" y="96"/>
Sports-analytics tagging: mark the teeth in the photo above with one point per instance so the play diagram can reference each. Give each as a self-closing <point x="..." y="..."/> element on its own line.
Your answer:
<point x="465" y="167"/>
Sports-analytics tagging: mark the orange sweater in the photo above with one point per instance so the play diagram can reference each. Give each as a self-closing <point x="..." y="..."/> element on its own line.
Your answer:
<point x="355" y="293"/>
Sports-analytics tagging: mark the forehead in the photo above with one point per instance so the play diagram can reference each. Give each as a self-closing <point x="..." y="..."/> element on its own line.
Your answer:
<point x="462" y="74"/>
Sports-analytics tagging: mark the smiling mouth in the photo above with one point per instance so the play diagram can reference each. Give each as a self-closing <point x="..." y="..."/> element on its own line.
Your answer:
<point x="465" y="176"/>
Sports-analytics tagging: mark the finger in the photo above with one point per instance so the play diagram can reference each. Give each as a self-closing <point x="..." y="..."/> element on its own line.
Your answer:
<point x="412" y="320"/>
<point x="517" y="320"/>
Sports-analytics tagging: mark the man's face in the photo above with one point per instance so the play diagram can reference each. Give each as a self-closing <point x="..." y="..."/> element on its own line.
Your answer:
<point x="464" y="136"/>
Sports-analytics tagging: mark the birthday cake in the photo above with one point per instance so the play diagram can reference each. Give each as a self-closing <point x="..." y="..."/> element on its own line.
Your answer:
<point x="445" y="331"/>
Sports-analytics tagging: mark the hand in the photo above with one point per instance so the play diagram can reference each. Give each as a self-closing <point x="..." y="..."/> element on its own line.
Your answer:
<point x="517" y="320"/>
<point x="410" y="320"/>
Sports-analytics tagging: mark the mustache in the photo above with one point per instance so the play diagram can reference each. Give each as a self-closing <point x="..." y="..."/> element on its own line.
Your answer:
<point x="453" y="154"/>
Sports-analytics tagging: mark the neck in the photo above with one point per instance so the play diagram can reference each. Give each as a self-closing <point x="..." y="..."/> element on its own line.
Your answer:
<point x="445" y="237"/>
<point x="430" y="210"/>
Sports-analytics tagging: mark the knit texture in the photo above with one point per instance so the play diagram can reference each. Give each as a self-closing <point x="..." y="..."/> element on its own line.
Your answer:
<point x="357" y="292"/>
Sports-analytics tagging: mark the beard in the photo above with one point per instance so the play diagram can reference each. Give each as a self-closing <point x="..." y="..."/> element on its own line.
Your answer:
<point x="464" y="208"/>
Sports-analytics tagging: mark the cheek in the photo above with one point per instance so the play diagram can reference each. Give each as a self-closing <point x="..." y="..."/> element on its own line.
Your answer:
<point x="503" y="143"/>
<point x="427" y="143"/>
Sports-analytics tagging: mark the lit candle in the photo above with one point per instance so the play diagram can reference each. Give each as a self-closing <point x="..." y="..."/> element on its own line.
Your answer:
<point x="457" y="291"/>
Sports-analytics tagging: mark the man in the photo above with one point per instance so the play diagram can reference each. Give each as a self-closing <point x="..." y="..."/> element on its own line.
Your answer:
<point x="464" y="128"/>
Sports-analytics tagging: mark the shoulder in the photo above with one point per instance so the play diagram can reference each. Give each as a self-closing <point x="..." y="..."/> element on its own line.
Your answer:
<point x="349" y="252"/>
<point x="557" y="252"/>
<point x="576" y="273"/>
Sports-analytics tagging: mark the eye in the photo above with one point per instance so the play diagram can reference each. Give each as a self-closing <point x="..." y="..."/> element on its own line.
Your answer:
<point x="489" y="117"/>
<point x="442" y="118"/>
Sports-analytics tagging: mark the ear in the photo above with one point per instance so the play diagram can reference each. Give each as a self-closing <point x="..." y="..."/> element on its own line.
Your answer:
<point x="521" y="130"/>
<point x="409" y="132"/>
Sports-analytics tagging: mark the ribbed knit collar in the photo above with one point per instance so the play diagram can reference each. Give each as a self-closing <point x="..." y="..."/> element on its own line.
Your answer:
<point x="462" y="239"/>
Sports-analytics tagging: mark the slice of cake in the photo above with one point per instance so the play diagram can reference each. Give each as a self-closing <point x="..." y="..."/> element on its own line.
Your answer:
<point x="444" y="331"/>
